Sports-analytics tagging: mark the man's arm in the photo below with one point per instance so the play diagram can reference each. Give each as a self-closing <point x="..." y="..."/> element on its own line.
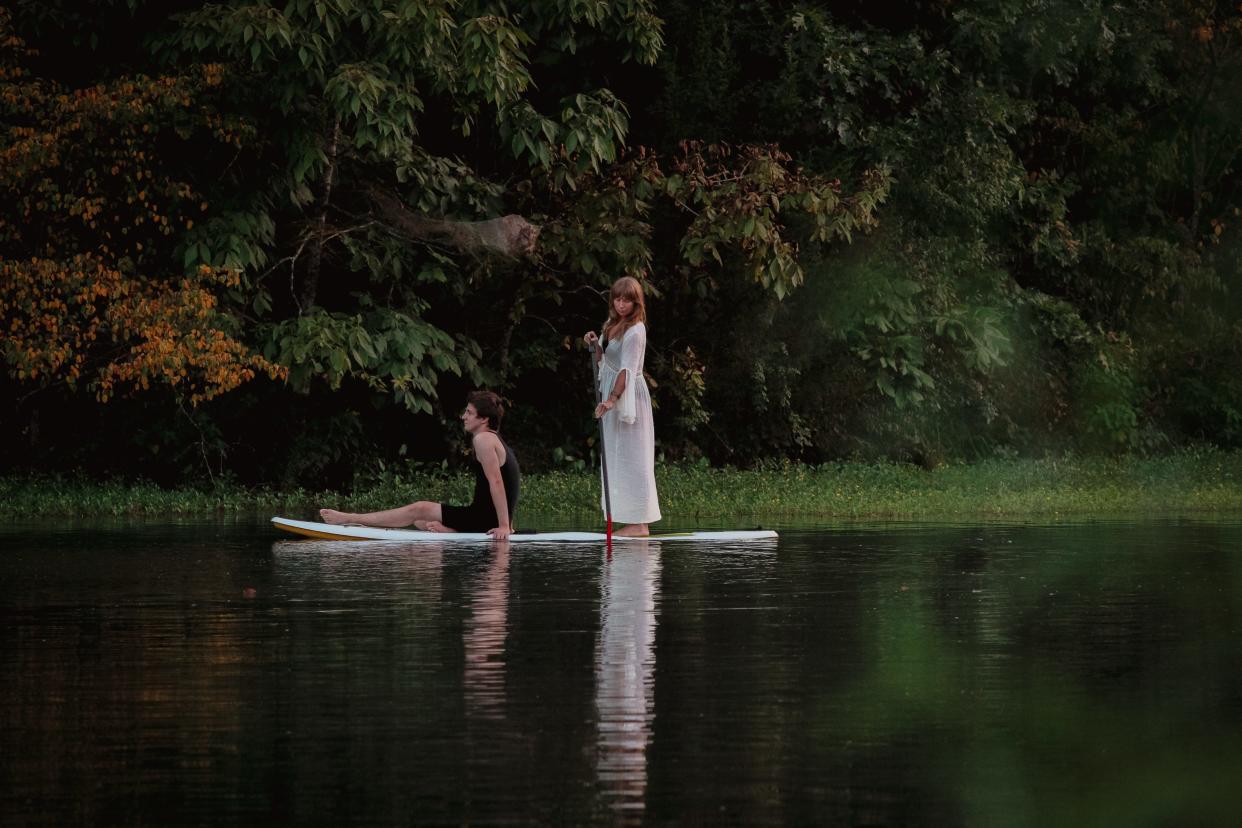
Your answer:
<point x="487" y="449"/>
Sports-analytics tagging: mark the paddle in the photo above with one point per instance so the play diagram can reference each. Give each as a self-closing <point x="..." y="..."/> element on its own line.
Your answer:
<point x="603" y="456"/>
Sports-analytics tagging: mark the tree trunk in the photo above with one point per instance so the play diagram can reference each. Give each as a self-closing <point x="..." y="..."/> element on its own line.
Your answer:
<point x="310" y="282"/>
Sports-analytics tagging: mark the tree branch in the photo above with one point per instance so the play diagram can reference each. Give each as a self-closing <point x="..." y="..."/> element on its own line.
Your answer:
<point x="511" y="235"/>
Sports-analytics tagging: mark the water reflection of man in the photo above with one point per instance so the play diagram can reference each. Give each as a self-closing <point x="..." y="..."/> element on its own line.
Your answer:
<point x="484" y="637"/>
<point x="624" y="674"/>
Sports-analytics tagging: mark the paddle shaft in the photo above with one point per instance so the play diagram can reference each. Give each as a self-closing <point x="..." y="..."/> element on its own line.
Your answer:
<point x="596" y="355"/>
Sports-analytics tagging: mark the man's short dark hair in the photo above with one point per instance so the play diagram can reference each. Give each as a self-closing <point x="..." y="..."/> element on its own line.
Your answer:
<point x="488" y="405"/>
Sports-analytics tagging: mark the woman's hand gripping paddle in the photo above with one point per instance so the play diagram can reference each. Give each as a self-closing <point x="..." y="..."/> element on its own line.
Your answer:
<point x="597" y="354"/>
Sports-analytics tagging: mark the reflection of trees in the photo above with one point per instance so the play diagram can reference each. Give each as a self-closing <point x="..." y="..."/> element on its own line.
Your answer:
<point x="1064" y="673"/>
<point x="348" y="686"/>
<point x="122" y="673"/>
<point x="624" y="675"/>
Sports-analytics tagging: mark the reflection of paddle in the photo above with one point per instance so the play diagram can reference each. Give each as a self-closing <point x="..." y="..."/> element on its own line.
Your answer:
<point x="603" y="457"/>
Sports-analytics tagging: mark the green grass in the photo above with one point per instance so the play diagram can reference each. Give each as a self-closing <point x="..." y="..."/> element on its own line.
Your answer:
<point x="1191" y="481"/>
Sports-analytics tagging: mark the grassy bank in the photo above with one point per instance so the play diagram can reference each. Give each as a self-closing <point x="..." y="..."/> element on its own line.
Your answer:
<point x="1197" y="481"/>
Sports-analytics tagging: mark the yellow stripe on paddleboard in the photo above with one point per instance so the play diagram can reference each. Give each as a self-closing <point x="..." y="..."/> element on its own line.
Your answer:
<point x="311" y="533"/>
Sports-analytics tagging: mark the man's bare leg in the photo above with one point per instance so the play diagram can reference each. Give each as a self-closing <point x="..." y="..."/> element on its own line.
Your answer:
<point x="411" y="514"/>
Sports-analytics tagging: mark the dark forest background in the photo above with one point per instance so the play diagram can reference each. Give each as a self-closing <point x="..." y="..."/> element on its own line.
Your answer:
<point x="277" y="243"/>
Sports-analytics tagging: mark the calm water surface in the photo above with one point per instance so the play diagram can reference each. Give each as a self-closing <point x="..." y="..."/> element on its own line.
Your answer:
<point x="943" y="675"/>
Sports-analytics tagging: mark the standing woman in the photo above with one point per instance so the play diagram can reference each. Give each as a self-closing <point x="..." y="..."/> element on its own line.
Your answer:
<point x="628" y="429"/>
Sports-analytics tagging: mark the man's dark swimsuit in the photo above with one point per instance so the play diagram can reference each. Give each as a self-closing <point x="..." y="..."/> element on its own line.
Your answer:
<point x="480" y="515"/>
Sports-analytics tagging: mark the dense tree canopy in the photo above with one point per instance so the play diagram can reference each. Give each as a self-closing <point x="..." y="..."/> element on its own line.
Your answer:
<point x="278" y="240"/>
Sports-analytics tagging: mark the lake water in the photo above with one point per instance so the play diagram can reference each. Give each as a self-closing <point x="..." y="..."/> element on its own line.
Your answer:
<point x="203" y="673"/>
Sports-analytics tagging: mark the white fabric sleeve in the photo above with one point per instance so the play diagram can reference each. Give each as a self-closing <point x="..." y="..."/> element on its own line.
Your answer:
<point x="633" y="346"/>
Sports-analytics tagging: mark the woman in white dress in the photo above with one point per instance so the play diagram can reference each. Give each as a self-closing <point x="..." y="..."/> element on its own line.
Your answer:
<point x="628" y="429"/>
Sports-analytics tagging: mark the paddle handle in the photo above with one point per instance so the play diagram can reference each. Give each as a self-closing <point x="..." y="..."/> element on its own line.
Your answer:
<point x="596" y="355"/>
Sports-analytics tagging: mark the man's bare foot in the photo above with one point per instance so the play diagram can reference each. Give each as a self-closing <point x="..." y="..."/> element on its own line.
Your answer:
<point x="634" y="530"/>
<point x="333" y="516"/>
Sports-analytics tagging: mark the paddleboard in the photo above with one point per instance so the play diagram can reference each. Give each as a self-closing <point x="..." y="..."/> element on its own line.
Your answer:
<point x="328" y="531"/>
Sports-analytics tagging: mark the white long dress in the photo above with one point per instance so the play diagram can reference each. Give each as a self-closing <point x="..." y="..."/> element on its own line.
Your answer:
<point x="629" y="431"/>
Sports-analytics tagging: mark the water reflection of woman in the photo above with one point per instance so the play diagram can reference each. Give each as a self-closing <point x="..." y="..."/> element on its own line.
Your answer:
<point x="624" y="674"/>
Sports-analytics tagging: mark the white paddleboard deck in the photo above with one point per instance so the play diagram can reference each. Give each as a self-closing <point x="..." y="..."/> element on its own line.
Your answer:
<point x="328" y="531"/>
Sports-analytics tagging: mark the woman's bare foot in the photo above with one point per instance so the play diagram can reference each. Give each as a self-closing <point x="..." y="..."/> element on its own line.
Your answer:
<point x="333" y="516"/>
<point x="634" y="530"/>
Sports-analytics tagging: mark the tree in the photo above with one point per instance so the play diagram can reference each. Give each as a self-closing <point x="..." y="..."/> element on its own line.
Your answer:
<point x="93" y="208"/>
<point x="401" y="133"/>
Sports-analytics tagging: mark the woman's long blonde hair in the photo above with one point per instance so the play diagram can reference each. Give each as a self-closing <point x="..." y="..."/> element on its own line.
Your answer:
<point x="627" y="287"/>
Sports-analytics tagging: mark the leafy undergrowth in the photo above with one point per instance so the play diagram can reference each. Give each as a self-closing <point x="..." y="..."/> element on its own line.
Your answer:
<point x="1193" y="481"/>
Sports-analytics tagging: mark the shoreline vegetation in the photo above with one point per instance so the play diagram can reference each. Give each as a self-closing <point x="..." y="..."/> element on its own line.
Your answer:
<point x="1201" y="480"/>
